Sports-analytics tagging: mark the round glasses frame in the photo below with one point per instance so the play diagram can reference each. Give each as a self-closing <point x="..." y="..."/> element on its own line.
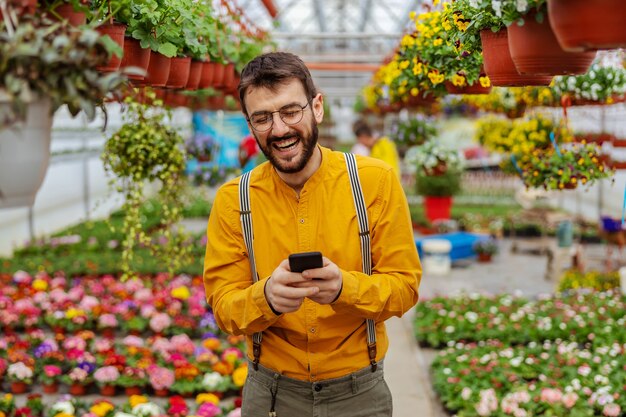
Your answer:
<point x="281" y="113"/>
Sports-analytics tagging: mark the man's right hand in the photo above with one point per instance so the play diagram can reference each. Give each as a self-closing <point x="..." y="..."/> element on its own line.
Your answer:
<point x="281" y="295"/>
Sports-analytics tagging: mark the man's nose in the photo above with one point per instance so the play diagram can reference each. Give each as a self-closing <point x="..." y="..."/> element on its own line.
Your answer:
<point x="279" y="127"/>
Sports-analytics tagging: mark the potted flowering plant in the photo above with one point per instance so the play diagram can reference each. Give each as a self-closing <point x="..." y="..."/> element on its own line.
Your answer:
<point x="186" y="379"/>
<point x="485" y="249"/>
<point x="135" y="324"/>
<point x="78" y="380"/>
<point x="603" y="83"/>
<point x="105" y="378"/>
<point x="216" y="383"/>
<point x="133" y="380"/>
<point x="20" y="376"/>
<point x="412" y="132"/>
<point x="161" y="379"/>
<point x="107" y="323"/>
<point x="49" y="377"/>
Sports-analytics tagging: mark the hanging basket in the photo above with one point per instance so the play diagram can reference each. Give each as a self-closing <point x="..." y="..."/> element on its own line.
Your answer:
<point x="207" y="75"/>
<point x="498" y="63"/>
<point x="588" y="24"/>
<point x="473" y="89"/>
<point x="66" y="12"/>
<point x="116" y="32"/>
<point x="535" y="50"/>
<point x="135" y="56"/>
<point x="24" y="154"/>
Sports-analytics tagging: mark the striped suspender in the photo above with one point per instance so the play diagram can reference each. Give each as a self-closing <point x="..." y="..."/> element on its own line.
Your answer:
<point x="364" y="234"/>
<point x="246" y="225"/>
<point x="366" y="253"/>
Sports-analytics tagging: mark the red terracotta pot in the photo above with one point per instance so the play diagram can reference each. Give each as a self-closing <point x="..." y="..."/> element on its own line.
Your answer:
<point x="499" y="65"/>
<point x="52" y="388"/>
<point x="218" y="75"/>
<point x="229" y="76"/>
<point x="161" y="392"/>
<point x="22" y="7"/>
<point x="206" y="77"/>
<point x="19" y="387"/>
<point x="135" y="56"/>
<point x="473" y="89"/>
<point x="535" y="50"/>
<point x="108" y="390"/>
<point x="588" y="24"/>
<point x="158" y="70"/>
<point x="437" y="208"/>
<point x="66" y="12"/>
<point x="195" y="72"/>
<point x="179" y="72"/>
<point x="77" y="389"/>
<point x="116" y="32"/>
<point x="484" y="257"/>
<point x="133" y="391"/>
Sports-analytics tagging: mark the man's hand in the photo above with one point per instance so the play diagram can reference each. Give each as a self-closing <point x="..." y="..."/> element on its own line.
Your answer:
<point x="328" y="279"/>
<point x="285" y="291"/>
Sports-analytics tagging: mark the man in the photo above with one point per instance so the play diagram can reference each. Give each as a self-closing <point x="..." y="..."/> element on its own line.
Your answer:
<point x="381" y="148"/>
<point x="315" y="356"/>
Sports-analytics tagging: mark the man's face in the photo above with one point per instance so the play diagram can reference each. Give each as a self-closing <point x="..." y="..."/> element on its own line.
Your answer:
<point x="288" y="147"/>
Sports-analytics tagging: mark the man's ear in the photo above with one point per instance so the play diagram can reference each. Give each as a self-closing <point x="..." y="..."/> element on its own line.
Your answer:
<point x="318" y="108"/>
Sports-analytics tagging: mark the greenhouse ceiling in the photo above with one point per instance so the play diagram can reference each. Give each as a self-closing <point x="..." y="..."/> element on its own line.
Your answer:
<point x="342" y="41"/>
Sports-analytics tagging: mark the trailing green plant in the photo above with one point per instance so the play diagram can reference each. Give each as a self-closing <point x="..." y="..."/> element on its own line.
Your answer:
<point x="52" y="59"/>
<point x="145" y="149"/>
<point x="412" y="132"/>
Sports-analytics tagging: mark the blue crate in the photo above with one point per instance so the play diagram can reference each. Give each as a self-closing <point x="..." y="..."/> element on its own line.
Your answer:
<point x="462" y="243"/>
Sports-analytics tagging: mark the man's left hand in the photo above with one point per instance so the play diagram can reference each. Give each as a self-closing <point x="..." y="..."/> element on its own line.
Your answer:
<point x="328" y="279"/>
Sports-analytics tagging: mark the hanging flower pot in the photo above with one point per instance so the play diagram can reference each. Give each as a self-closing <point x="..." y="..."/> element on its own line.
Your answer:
<point x="74" y="17"/>
<point x="218" y="75"/>
<point x="229" y="76"/>
<point x="206" y="78"/>
<point x="135" y="56"/>
<point x="158" y="70"/>
<point x="116" y="32"/>
<point x="588" y="24"/>
<point x="24" y="154"/>
<point x="195" y="72"/>
<point x="498" y="63"/>
<point x="179" y="72"/>
<point x="535" y="50"/>
<point x="473" y="89"/>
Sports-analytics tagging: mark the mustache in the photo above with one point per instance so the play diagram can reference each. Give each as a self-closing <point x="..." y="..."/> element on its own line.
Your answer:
<point x="272" y="139"/>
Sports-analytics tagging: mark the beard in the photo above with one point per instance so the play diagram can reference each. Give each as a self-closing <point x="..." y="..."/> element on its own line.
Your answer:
<point x="308" y="147"/>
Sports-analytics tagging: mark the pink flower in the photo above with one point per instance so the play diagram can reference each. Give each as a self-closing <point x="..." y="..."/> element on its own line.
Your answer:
<point x="103" y="345"/>
<point x="78" y="374"/>
<point x="106" y="374"/>
<point x="51" y="370"/>
<point x="160" y="322"/>
<point x="147" y="310"/>
<point x="611" y="410"/>
<point x="551" y="395"/>
<point x="107" y="320"/>
<point x="143" y="295"/>
<point x="182" y="344"/>
<point x="22" y="277"/>
<point x="160" y="378"/>
<point x="208" y="410"/>
<point x="89" y="302"/>
<point x="235" y="413"/>
<point x="569" y="399"/>
<point x="134" y="341"/>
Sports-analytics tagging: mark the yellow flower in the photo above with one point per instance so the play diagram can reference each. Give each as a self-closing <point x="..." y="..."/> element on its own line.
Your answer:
<point x="181" y="293"/>
<point x="404" y="64"/>
<point x="135" y="400"/>
<point x="63" y="415"/>
<point x="40" y="285"/>
<point x="485" y="81"/>
<point x="458" y="80"/>
<point x="2" y="414"/>
<point x="74" y="312"/>
<point x="435" y="77"/>
<point x="207" y="398"/>
<point x="239" y="375"/>
<point x="102" y="408"/>
<point x="436" y="2"/>
<point x="446" y="25"/>
<point x="414" y="91"/>
<point x="438" y="42"/>
<point x="418" y="68"/>
<point x="412" y="15"/>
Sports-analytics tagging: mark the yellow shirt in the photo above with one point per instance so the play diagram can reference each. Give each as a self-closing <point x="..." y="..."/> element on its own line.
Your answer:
<point x="318" y="341"/>
<point x="385" y="150"/>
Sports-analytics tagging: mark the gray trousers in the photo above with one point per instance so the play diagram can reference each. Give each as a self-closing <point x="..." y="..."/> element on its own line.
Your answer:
<point x="361" y="394"/>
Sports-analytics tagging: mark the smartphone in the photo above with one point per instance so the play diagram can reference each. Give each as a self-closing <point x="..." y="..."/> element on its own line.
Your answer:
<point x="299" y="262"/>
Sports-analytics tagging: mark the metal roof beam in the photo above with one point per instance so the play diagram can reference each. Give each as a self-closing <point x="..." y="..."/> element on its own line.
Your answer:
<point x="366" y="13"/>
<point x="319" y="13"/>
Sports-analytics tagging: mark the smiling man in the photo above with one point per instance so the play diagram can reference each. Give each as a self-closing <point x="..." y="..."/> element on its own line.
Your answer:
<point x="316" y="339"/>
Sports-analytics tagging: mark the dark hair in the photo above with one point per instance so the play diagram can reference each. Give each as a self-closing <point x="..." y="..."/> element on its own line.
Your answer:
<point x="273" y="69"/>
<point x="361" y="128"/>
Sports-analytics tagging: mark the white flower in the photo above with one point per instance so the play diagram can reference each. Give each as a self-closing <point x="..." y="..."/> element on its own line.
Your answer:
<point x="147" y="410"/>
<point x="521" y="5"/>
<point x="211" y="381"/>
<point x="63" y="407"/>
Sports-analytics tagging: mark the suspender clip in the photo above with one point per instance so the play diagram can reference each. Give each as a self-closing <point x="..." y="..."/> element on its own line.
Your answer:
<point x="256" y="351"/>
<point x="371" y="350"/>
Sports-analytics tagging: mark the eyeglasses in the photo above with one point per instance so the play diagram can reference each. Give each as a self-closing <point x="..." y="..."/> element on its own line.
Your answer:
<point x="290" y="115"/>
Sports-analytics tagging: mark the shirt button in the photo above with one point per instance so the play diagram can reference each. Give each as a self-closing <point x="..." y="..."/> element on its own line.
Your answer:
<point x="302" y="221"/>
<point x="312" y="329"/>
<point x="318" y="387"/>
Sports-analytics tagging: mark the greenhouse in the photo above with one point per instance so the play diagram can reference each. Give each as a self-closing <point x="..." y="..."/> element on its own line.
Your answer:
<point x="224" y="208"/>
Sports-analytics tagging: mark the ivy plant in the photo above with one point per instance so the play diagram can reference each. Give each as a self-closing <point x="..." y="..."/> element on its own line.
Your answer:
<point x="145" y="149"/>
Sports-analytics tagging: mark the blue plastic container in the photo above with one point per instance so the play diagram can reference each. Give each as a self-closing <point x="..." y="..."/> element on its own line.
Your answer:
<point x="462" y="244"/>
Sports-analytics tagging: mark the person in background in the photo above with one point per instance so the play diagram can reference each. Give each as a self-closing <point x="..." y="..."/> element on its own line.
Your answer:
<point x="248" y="151"/>
<point x="316" y="340"/>
<point x="381" y="148"/>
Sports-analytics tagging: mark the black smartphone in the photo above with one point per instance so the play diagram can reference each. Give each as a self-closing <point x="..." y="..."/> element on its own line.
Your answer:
<point x="299" y="262"/>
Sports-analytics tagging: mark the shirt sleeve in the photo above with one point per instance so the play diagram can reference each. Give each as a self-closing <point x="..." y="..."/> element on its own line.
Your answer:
<point x="239" y="305"/>
<point x="392" y="289"/>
